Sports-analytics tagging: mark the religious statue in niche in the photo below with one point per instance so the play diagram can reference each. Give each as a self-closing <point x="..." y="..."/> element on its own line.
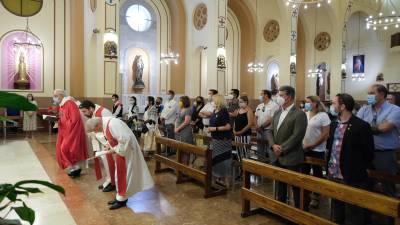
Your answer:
<point x="137" y="72"/>
<point x="22" y="78"/>
<point x="221" y="63"/>
<point x="274" y="82"/>
<point x="110" y="50"/>
<point x="21" y="62"/>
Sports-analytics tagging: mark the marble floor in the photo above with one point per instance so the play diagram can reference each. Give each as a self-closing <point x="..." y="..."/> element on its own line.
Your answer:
<point x="19" y="162"/>
<point x="166" y="204"/>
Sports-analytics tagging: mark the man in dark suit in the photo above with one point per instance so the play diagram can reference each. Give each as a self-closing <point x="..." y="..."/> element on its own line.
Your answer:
<point x="350" y="153"/>
<point x="288" y="129"/>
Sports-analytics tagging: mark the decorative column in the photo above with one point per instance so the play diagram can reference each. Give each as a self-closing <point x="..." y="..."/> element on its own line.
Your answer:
<point x="293" y="44"/>
<point x="221" y="52"/>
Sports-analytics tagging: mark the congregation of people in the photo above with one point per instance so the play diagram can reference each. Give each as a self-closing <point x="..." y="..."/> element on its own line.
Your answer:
<point x="351" y="140"/>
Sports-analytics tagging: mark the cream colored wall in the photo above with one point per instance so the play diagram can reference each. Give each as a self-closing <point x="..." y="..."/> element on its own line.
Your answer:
<point x="206" y="37"/>
<point x="48" y="25"/>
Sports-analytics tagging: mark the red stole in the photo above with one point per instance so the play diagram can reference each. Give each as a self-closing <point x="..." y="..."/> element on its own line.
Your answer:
<point x="98" y="112"/>
<point x="119" y="161"/>
<point x="110" y="159"/>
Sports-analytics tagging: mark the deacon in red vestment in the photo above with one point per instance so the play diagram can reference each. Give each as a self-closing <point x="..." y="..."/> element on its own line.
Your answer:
<point x="98" y="141"/>
<point x="131" y="172"/>
<point x="71" y="141"/>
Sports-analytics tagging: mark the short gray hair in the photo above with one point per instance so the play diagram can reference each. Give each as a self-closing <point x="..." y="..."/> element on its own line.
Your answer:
<point x="92" y="123"/>
<point x="60" y="92"/>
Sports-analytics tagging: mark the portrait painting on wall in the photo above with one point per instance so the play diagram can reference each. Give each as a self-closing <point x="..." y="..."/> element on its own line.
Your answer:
<point x="358" y="64"/>
<point x="21" y="62"/>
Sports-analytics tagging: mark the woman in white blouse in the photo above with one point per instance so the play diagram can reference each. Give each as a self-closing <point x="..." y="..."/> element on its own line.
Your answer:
<point x="314" y="142"/>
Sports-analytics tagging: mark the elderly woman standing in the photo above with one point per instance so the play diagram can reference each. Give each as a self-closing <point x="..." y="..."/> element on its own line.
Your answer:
<point x="221" y="144"/>
<point x="30" y="123"/>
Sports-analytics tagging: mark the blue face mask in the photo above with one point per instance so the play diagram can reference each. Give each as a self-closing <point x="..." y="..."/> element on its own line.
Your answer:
<point x="371" y="99"/>
<point x="308" y="106"/>
<point x="333" y="111"/>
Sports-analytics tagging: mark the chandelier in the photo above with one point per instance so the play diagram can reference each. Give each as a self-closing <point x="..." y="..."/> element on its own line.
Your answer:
<point x="255" y="67"/>
<point x="306" y="3"/>
<point x="384" y="20"/>
<point x="28" y="43"/>
<point x="169" y="58"/>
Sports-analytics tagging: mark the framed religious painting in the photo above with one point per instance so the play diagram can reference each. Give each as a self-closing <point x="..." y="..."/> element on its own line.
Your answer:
<point x="21" y="62"/>
<point x="358" y="64"/>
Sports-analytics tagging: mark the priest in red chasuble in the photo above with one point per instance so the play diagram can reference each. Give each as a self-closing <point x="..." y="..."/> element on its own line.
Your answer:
<point x="71" y="145"/>
<point x="131" y="172"/>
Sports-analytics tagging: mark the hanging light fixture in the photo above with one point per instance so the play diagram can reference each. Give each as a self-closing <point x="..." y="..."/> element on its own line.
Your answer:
<point x="315" y="71"/>
<point x="306" y="3"/>
<point x="255" y="67"/>
<point x="358" y="76"/>
<point x="388" y="17"/>
<point x="169" y="58"/>
<point x="28" y="43"/>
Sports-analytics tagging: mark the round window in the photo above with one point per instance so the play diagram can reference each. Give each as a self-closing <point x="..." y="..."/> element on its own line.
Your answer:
<point x="138" y="18"/>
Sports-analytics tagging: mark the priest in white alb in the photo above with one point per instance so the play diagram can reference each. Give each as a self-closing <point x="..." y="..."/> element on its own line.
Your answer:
<point x="131" y="172"/>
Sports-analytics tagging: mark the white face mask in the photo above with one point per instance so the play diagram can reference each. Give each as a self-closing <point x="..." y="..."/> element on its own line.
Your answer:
<point x="280" y="101"/>
<point x="132" y="102"/>
<point x="170" y="97"/>
<point x="146" y="102"/>
<point x="56" y="101"/>
<point x="242" y="104"/>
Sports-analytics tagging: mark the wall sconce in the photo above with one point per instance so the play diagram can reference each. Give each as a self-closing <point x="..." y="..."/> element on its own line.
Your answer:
<point x="293" y="64"/>
<point x="221" y="58"/>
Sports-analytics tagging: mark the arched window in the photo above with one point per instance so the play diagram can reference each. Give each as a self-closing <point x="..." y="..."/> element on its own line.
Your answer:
<point x="138" y="18"/>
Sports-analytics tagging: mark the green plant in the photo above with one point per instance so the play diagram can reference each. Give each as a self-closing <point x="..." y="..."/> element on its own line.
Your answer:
<point x="12" y="192"/>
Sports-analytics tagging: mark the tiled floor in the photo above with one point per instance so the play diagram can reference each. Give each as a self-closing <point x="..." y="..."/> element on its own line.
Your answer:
<point x="167" y="203"/>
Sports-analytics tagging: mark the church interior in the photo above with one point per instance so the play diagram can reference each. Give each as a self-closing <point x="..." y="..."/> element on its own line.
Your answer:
<point x="119" y="132"/>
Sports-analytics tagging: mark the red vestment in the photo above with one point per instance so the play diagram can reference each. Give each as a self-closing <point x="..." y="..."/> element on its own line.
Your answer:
<point x="71" y="141"/>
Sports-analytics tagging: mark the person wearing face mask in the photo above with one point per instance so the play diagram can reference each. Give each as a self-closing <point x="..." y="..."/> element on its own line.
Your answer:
<point x="159" y="105"/>
<point x="314" y="142"/>
<point x="197" y="121"/>
<point x="71" y="141"/>
<point x="350" y="151"/>
<point x="287" y="132"/>
<point x="30" y="121"/>
<point x="98" y="141"/>
<point x="168" y="117"/>
<point x="233" y="103"/>
<point x="274" y="96"/>
<point x="263" y="117"/>
<point x="244" y="119"/>
<point x="133" y="111"/>
<point x="384" y="119"/>
<point x="208" y="110"/>
<point x="117" y="106"/>
<point x="221" y="144"/>
<point x="183" y="130"/>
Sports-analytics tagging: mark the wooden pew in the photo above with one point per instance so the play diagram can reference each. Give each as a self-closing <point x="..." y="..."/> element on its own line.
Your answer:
<point x="374" y="174"/>
<point x="181" y="169"/>
<point x="365" y="199"/>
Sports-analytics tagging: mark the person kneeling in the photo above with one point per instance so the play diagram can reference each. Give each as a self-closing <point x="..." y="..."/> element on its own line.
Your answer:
<point x="129" y="161"/>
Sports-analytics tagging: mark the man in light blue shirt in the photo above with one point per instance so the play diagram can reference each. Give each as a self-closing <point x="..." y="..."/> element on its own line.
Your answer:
<point x="384" y="119"/>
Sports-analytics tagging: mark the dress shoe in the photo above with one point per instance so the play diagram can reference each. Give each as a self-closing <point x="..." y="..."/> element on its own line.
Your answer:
<point x="112" y="202"/>
<point x="75" y="173"/>
<point x="109" y="188"/>
<point x="118" y="204"/>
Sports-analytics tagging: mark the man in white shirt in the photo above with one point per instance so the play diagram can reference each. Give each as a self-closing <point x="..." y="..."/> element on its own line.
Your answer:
<point x="208" y="110"/>
<point x="264" y="114"/>
<point x="168" y="117"/>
